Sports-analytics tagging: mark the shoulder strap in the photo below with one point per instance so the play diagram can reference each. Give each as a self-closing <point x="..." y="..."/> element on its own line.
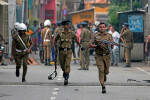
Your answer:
<point x="46" y="33"/>
<point x="22" y="41"/>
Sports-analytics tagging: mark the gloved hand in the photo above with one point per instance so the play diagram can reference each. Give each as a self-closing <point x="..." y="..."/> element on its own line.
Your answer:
<point x="82" y="48"/>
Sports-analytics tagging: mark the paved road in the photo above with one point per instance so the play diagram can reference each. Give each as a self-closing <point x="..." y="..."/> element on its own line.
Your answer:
<point x="122" y="84"/>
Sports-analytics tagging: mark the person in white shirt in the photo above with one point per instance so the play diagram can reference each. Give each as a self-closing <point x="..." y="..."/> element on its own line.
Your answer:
<point x="109" y="30"/>
<point x="115" y="50"/>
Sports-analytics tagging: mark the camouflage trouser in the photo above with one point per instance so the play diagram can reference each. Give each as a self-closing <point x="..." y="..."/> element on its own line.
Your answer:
<point x="65" y="60"/>
<point x="47" y="50"/>
<point x="22" y="56"/>
<point x="103" y="63"/>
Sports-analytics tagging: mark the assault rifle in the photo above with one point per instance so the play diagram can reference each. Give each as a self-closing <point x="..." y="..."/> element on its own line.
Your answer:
<point x="110" y="42"/>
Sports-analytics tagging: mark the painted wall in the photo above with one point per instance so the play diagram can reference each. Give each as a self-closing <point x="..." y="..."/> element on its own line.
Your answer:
<point x="50" y="10"/>
<point x="80" y="17"/>
<point x="42" y="10"/>
<point x="98" y="9"/>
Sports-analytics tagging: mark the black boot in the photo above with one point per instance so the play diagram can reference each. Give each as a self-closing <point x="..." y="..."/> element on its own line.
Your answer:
<point x="17" y="73"/>
<point x="104" y="89"/>
<point x="45" y="62"/>
<point x="49" y="62"/>
<point x="23" y="80"/>
<point x="66" y="79"/>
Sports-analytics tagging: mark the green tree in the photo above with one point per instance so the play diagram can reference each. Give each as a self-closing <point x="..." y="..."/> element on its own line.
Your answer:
<point x="119" y="6"/>
<point x="112" y="13"/>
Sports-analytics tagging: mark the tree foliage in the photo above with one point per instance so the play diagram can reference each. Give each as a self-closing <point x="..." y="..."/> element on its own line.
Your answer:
<point x="119" y="6"/>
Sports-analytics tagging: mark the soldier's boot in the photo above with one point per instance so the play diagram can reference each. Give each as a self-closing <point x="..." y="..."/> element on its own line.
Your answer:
<point x="49" y="62"/>
<point x="66" y="79"/>
<point x="103" y="89"/>
<point x="45" y="62"/>
<point x="105" y="78"/>
<point x="17" y="72"/>
<point x="23" y="80"/>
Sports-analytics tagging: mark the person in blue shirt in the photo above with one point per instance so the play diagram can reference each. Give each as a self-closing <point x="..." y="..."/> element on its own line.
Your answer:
<point x="39" y="42"/>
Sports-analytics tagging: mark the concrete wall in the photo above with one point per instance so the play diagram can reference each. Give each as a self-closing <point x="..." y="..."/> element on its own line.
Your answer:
<point x="1" y="20"/>
<point x="11" y="19"/>
<point x="146" y="25"/>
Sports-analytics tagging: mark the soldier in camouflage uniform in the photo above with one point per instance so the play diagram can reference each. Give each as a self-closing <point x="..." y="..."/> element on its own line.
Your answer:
<point x="65" y="53"/>
<point x="19" y="46"/>
<point x="102" y="53"/>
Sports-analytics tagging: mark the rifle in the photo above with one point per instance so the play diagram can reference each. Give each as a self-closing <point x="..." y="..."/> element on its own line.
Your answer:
<point x="110" y="42"/>
<point x="55" y="71"/>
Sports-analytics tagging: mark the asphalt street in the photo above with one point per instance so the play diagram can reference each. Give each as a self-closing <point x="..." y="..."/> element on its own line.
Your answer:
<point x="122" y="84"/>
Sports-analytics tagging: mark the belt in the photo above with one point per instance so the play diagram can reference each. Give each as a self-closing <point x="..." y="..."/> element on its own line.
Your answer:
<point x="46" y="40"/>
<point x="64" y="49"/>
<point x="21" y="50"/>
<point x="103" y="54"/>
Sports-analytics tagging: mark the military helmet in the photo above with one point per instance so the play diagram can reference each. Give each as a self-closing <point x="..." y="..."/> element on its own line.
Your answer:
<point x="16" y="25"/>
<point x="47" y="23"/>
<point x="22" y="27"/>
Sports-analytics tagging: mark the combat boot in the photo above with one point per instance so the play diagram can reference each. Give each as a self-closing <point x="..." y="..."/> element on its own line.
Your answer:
<point x="23" y="80"/>
<point x="66" y="79"/>
<point x="104" y="89"/>
<point x="45" y="62"/>
<point x="49" y="62"/>
<point x="17" y="73"/>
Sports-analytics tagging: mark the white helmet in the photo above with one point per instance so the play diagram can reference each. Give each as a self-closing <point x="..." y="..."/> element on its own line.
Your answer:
<point x="22" y="27"/>
<point x="47" y="23"/>
<point x="97" y="23"/>
<point x="16" y="25"/>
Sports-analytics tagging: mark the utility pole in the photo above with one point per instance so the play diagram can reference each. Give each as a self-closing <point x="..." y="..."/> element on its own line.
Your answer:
<point x="131" y="4"/>
<point x="22" y="11"/>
